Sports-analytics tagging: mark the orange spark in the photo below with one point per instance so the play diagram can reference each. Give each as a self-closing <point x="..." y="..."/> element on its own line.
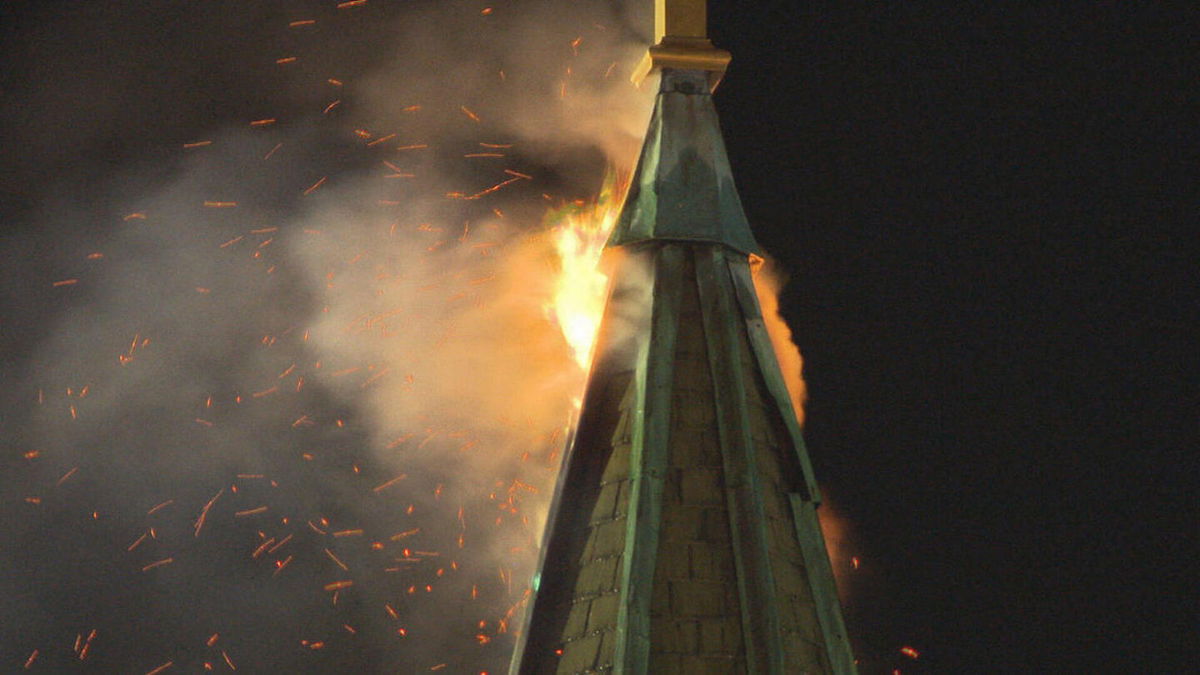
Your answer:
<point x="263" y="122"/>
<point x="408" y="533"/>
<point x="262" y="547"/>
<point x="335" y="559"/>
<point x="493" y="188"/>
<point x="161" y="668"/>
<point x="280" y="545"/>
<point x="204" y="511"/>
<point x="66" y="475"/>
<point x="467" y="111"/>
<point x="158" y="563"/>
<point x="220" y="205"/>
<point x="389" y="483"/>
<point x="375" y="377"/>
<point x="197" y="144"/>
<point x="250" y="512"/>
<point x="138" y="541"/>
<point x="316" y="185"/>
<point x="65" y="282"/>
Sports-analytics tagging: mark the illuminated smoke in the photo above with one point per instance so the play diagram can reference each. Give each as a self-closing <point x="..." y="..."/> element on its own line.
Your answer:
<point x="351" y="316"/>
<point x="307" y="404"/>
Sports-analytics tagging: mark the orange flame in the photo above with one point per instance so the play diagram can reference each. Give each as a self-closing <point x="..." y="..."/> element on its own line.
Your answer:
<point x="581" y="286"/>
<point x="768" y="282"/>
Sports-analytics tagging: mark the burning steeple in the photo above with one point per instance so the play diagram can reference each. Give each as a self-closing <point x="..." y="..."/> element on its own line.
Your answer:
<point x="683" y="535"/>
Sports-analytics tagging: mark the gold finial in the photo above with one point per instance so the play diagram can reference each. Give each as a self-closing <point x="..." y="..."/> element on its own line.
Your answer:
<point x="680" y="18"/>
<point x="681" y="35"/>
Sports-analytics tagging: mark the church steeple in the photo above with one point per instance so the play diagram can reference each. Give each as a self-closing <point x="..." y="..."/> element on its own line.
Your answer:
<point x="683" y="535"/>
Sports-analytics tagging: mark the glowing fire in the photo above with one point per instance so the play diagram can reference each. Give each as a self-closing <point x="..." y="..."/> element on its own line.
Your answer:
<point x="579" y="234"/>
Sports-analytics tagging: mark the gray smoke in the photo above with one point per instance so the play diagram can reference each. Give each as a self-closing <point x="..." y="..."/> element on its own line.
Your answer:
<point x="297" y="316"/>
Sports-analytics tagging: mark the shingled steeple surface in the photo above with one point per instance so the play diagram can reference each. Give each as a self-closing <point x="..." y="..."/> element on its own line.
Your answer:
<point x="683" y="187"/>
<point x="683" y="537"/>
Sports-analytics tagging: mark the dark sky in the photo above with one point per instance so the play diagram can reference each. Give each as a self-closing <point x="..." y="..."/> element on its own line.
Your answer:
<point x="981" y="210"/>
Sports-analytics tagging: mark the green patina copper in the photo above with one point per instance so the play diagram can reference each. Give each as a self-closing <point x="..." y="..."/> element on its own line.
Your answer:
<point x="743" y="486"/>
<point x="683" y="190"/>
<point x="683" y="215"/>
<point x="683" y="187"/>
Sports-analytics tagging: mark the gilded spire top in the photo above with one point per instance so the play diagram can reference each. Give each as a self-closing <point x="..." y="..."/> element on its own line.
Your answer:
<point x="681" y="42"/>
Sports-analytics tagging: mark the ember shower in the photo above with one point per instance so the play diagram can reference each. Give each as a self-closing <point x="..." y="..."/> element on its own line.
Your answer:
<point x="303" y="403"/>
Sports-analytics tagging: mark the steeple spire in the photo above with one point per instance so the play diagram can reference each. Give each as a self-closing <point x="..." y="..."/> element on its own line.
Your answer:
<point x="683" y="535"/>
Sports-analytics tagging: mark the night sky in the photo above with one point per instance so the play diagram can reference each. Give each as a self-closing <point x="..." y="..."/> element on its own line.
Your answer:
<point x="981" y="213"/>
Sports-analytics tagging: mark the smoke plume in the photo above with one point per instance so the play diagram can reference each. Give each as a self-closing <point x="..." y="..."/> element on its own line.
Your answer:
<point x="289" y="397"/>
<point x="284" y="391"/>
